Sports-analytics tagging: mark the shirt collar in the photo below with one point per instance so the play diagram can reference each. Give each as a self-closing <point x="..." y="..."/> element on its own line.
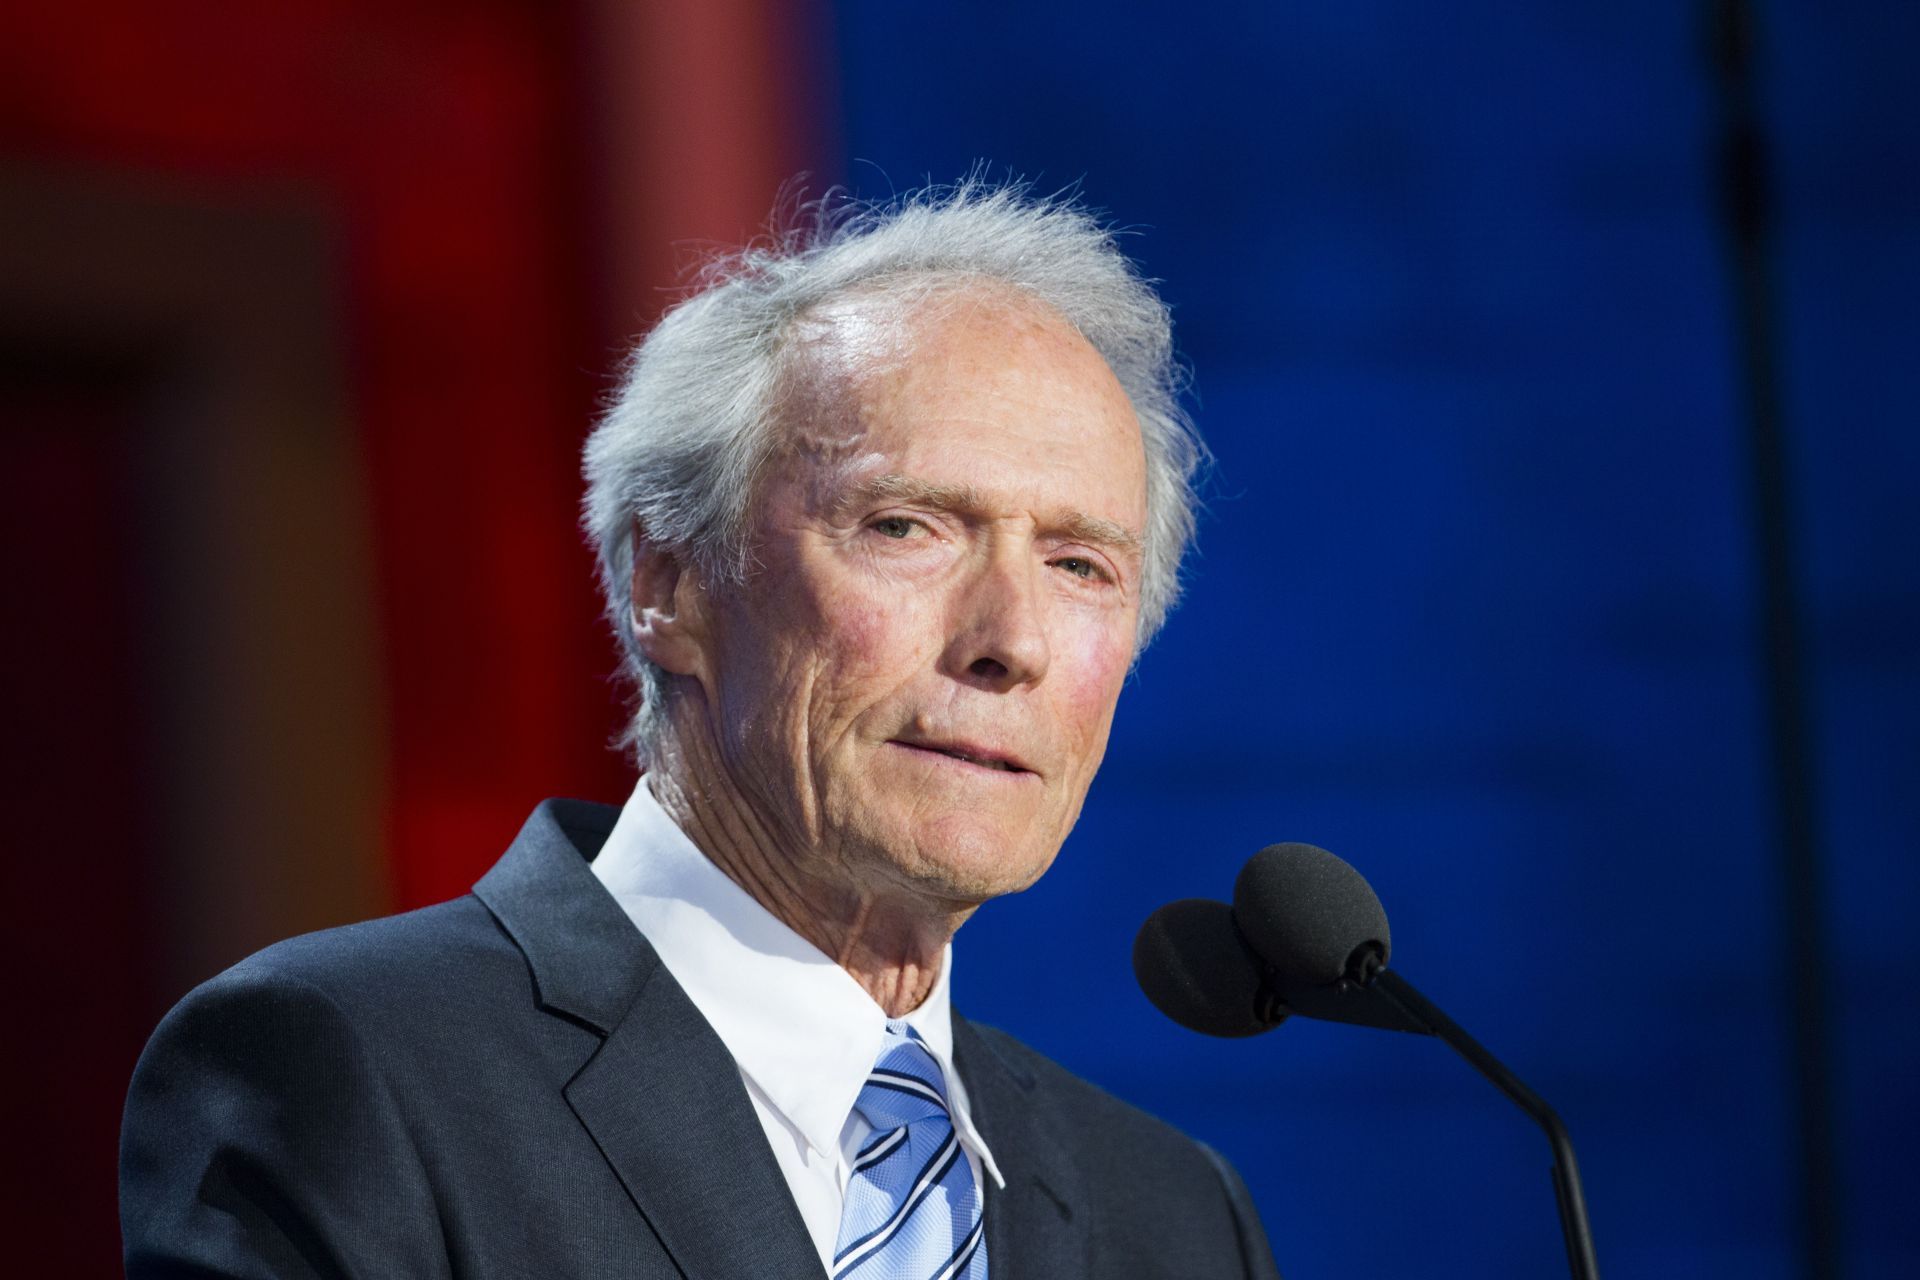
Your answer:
<point x="797" y="1024"/>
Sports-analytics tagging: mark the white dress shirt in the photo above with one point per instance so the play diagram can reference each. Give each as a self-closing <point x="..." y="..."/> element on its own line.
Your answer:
<point x="803" y="1033"/>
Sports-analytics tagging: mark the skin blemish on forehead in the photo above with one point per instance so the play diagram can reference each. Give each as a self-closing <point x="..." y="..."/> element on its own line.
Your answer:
<point x="823" y="422"/>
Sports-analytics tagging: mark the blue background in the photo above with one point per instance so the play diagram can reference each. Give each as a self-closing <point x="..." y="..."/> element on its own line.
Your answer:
<point x="1477" y="599"/>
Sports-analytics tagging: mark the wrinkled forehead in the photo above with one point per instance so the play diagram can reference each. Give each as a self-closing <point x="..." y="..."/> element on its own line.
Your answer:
<point x="985" y="391"/>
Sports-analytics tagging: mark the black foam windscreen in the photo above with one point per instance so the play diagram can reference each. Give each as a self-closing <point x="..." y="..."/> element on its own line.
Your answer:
<point x="1308" y="914"/>
<point x="1193" y="965"/>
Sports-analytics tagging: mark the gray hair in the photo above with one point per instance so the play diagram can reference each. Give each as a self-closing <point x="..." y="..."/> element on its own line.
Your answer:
<point x="684" y="439"/>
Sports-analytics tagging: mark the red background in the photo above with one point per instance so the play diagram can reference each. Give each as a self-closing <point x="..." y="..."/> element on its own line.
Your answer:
<point x="472" y="164"/>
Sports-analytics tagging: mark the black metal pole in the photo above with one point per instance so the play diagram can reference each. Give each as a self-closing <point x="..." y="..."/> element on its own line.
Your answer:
<point x="1745" y="208"/>
<point x="1572" y="1202"/>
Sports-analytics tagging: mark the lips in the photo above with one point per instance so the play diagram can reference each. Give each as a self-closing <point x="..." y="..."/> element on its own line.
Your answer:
<point x="967" y="753"/>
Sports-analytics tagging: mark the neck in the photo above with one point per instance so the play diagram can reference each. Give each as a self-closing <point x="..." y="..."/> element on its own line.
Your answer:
<point x="891" y="942"/>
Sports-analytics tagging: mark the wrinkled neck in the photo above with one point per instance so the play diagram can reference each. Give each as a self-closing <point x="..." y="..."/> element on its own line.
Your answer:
<point x="891" y="941"/>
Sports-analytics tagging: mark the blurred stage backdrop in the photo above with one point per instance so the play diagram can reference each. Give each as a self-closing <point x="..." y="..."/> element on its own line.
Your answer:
<point x="1559" y="568"/>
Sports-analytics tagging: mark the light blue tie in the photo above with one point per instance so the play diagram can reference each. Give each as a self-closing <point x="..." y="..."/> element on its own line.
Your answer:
<point x="912" y="1211"/>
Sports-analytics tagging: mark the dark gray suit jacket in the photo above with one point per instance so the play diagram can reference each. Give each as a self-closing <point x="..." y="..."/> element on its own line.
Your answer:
<point x="510" y="1084"/>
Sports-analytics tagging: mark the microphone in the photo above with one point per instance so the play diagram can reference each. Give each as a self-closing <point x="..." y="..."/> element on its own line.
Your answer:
<point x="1300" y="919"/>
<point x="1313" y="917"/>
<point x="1306" y="934"/>
<point x="1320" y="928"/>
<point x="1197" y="969"/>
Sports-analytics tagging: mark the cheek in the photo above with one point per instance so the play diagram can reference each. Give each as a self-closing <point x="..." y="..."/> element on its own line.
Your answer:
<point x="1092" y="686"/>
<point x="877" y="622"/>
<point x="863" y="648"/>
<point x="856" y="632"/>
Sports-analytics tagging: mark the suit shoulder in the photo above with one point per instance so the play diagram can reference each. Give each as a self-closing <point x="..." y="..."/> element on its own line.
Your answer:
<point x="403" y="963"/>
<point x="1087" y="1103"/>
<point x="265" y="1109"/>
<point x="1160" y="1194"/>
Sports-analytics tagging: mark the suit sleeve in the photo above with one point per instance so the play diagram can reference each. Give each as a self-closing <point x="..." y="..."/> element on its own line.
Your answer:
<point x="260" y="1141"/>
<point x="1256" y="1255"/>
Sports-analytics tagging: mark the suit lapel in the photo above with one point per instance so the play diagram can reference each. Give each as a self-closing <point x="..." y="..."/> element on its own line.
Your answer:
<point x="661" y="1096"/>
<point x="664" y="1101"/>
<point x="1037" y="1227"/>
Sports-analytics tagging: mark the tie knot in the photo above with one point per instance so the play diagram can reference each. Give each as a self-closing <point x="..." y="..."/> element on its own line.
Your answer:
<point x="904" y="1087"/>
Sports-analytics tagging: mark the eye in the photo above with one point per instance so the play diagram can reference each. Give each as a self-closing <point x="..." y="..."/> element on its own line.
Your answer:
<point x="1079" y="567"/>
<point x="896" y="527"/>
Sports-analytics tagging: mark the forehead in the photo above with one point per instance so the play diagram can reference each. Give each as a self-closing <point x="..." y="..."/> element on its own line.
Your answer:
<point x="972" y="377"/>
<point x="890" y="331"/>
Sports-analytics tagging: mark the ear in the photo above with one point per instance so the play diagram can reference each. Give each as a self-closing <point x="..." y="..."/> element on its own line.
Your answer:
<point x="670" y="617"/>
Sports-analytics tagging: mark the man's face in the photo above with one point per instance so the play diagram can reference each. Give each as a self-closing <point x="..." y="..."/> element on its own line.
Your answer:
<point x="914" y="686"/>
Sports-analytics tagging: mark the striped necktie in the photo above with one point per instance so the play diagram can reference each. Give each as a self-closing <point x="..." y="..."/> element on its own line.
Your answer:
<point x="912" y="1209"/>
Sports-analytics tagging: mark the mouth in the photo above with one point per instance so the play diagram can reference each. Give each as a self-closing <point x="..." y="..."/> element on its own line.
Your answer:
<point x="967" y="753"/>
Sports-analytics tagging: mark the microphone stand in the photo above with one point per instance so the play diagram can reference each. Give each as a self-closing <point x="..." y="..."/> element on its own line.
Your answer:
<point x="1425" y="1016"/>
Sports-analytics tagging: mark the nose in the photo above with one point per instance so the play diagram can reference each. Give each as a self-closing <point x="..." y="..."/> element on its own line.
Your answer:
<point x="999" y="631"/>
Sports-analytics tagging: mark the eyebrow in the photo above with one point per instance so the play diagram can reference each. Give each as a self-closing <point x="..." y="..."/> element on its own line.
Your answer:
<point x="1077" y="525"/>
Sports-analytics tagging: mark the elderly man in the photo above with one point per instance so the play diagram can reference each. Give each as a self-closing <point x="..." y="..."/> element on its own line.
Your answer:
<point x="883" y="515"/>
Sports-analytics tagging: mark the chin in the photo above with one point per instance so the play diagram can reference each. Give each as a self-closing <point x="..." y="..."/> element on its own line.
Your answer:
<point x="970" y="860"/>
